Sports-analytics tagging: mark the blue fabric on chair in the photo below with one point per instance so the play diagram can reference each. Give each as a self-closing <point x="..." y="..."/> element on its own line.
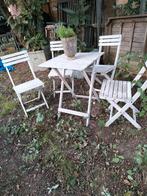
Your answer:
<point x="2" y="68"/>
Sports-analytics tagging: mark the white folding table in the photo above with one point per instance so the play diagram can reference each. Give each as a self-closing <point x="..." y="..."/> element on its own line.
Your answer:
<point x="80" y="63"/>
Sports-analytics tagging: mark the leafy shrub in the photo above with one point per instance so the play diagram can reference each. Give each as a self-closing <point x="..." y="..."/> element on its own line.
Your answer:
<point x="64" y="32"/>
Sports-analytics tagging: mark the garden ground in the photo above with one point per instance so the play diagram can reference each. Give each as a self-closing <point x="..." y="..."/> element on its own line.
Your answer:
<point x="42" y="155"/>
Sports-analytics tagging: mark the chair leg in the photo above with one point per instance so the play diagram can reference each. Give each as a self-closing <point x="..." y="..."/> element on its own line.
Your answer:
<point x="44" y="99"/>
<point x="61" y="95"/>
<point x="54" y="87"/>
<point x="19" y="97"/>
<point x="90" y="96"/>
<point x="122" y="111"/>
<point x="39" y="94"/>
<point x="72" y="85"/>
<point x="111" y="111"/>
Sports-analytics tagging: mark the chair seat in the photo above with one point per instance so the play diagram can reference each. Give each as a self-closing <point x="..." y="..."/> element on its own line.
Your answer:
<point x="104" y="68"/>
<point x="27" y="86"/>
<point x="53" y="73"/>
<point x="116" y="90"/>
<point x="101" y="68"/>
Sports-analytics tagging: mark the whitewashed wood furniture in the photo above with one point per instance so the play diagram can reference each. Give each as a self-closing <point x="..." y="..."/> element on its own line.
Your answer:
<point x="114" y="41"/>
<point x="34" y="84"/>
<point x="80" y="63"/>
<point x="115" y="92"/>
<point x="56" y="46"/>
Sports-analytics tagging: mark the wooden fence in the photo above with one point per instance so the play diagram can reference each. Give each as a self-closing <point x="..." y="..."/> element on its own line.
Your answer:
<point x="133" y="30"/>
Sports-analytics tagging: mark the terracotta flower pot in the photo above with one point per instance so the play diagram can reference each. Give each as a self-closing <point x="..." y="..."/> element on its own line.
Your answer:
<point x="70" y="46"/>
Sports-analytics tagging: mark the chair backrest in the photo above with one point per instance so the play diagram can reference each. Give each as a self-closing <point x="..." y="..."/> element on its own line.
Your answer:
<point x="137" y="78"/>
<point x="55" y="46"/>
<point x="111" y="40"/>
<point x="15" y="58"/>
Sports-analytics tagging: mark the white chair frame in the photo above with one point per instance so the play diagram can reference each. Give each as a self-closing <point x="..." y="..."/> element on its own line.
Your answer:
<point x="35" y="84"/>
<point x="109" y="41"/>
<point x="120" y="91"/>
<point x="56" y="46"/>
<point x="105" y="70"/>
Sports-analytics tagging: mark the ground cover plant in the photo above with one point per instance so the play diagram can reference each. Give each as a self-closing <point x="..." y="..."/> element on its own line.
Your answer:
<point x="43" y="155"/>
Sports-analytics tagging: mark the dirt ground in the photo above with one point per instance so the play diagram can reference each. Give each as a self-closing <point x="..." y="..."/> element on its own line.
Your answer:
<point x="42" y="155"/>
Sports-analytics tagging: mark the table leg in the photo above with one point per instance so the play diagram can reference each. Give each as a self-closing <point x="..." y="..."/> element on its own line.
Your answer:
<point x="90" y="96"/>
<point x="89" y="82"/>
<point x="61" y="94"/>
<point x="62" y="77"/>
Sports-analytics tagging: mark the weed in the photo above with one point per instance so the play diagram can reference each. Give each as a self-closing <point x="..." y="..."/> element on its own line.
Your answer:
<point x="140" y="157"/>
<point x="131" y="177"/>
<point x="77" y="104"/>
<point x="143" y="111"/>
<point x="7" y="107"/>
<point x="32" y="151"/>
<point x="18" y="129"/>
<point x="39" y="118"/>
<point x="117" y="159"/>
<point x="101" y="123"/>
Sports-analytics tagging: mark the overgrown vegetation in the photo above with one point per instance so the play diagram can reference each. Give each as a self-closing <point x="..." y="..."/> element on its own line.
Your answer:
<point x="6" y="106"/>
<point x="43" y="155"/>
<point x="130" y="8"/>
<point x="128" y="66"/>
<point x="28" y="24"/>
<point x="77" y="18"/>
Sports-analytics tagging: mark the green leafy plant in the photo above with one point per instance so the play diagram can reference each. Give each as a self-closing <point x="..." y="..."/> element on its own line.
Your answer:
<point x="39" y="118"/>
<point x="29" y="22"/>
<point x="6" y="106"/>
<point x="36" y="42"/>
<point x="77" y="18"/>
<point x="101" y="123"/>
<point x="117" y="159"/>
<point x="143" y="111"/>
<point x="32" y="151"/>
<point x="78" y="15"/>
<point x="77" y="104"/>
<point x="130" y="8"/>
<point x="131" y="176"/>
<point x="129" y="63"/>
<point x="64" y="32"/>
<point x="140" y="157"/>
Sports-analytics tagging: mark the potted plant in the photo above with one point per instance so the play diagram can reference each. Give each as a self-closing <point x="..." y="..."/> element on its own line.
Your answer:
<point x="69" y="40"/>
<point x="38" y="49"/>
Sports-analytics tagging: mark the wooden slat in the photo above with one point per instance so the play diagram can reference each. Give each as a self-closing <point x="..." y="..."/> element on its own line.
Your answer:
<point x="15" y="62"/>
<point x="111" y="89"/>
<point x="129" y="95"/>
<point x="107" y="88"/>
<point x="14" y="54"/>
<point x="15" y="58"/>
<point x="124" y="90"/>
<point x="115" y="91"/>
<point x="120" y="89"/>
<point x="103" y="89"/>
<point x="108" y="44"/>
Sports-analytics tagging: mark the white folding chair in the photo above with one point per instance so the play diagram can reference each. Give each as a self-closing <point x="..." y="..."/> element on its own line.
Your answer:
<point x="56" y="46"/>
<point x="115" y="92"/>
<point x="35" y="84"/>
<point x="109" y="41"/>
<point x="107" y="71"/>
